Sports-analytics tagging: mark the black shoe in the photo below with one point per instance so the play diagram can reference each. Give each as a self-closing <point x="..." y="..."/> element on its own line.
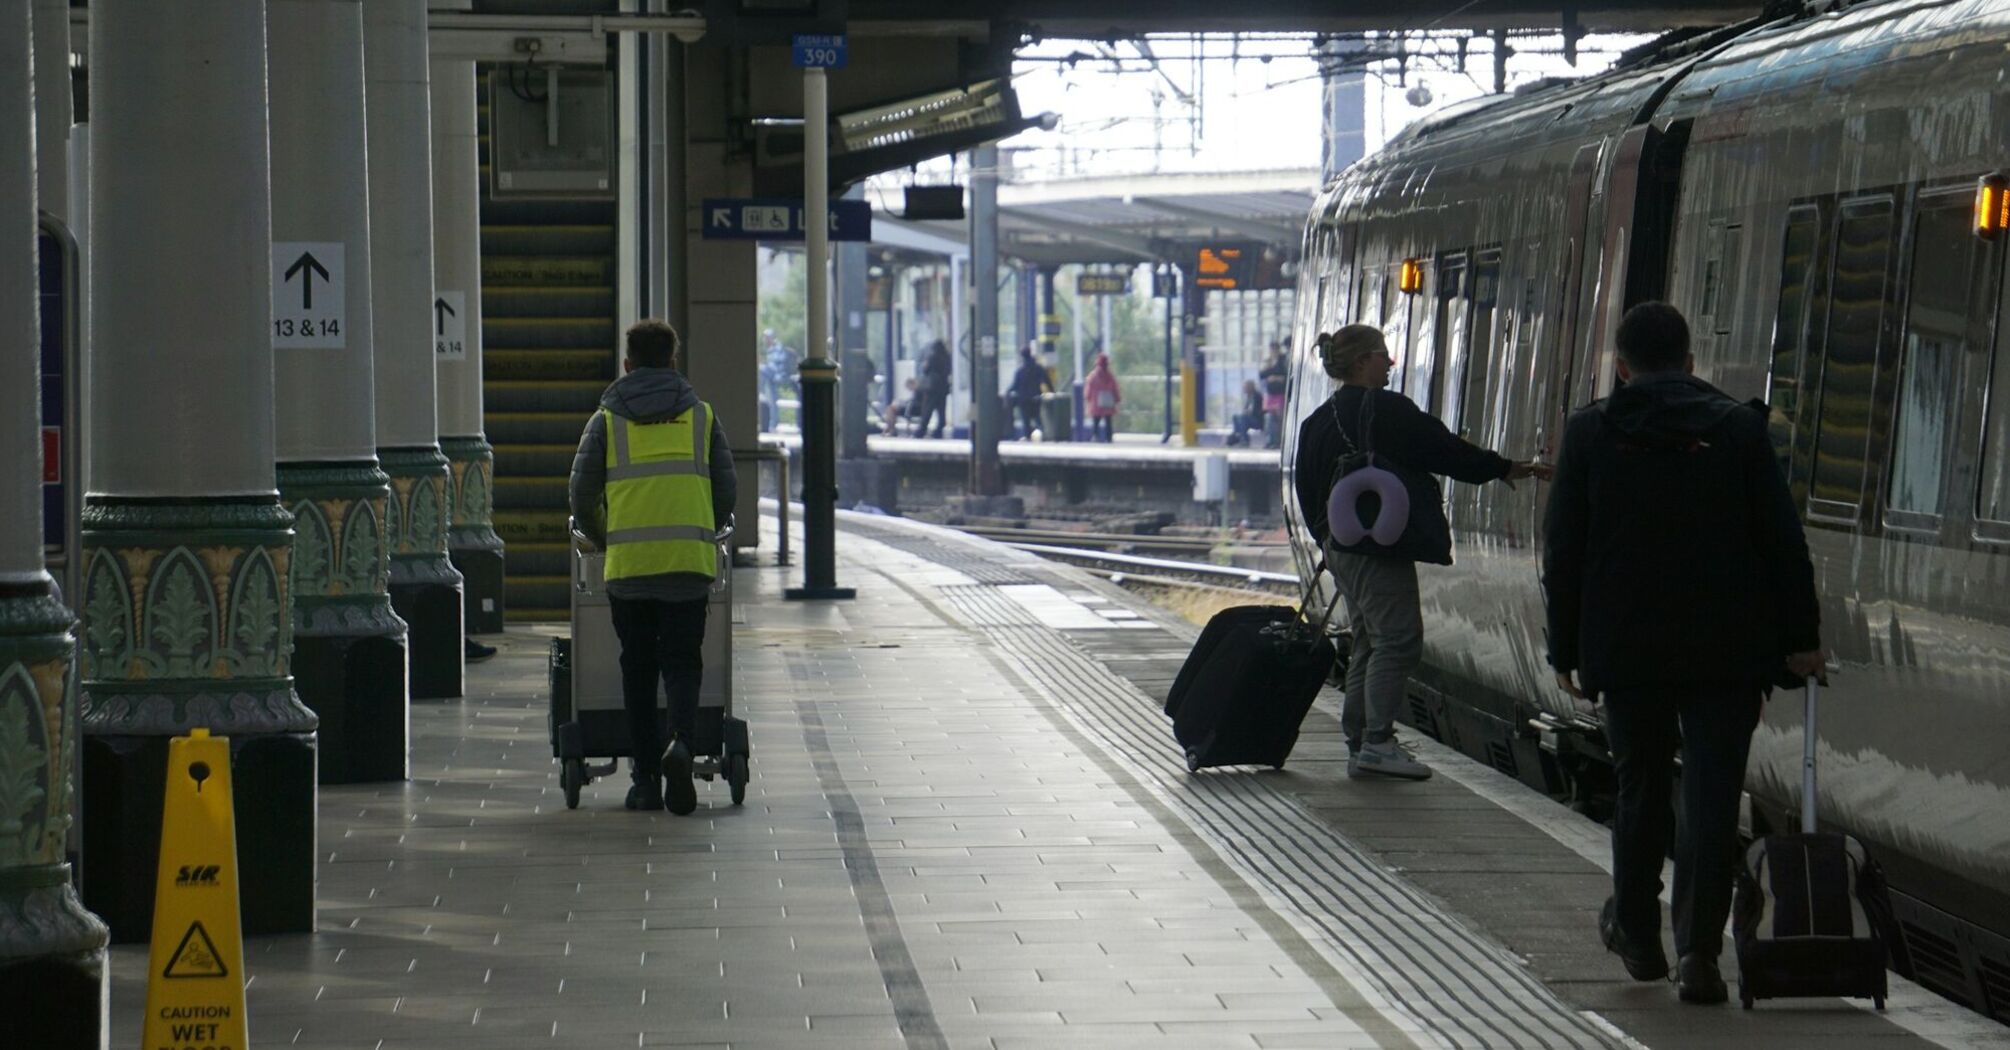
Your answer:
<point x="476" y="651"/>
<point x="680" y="795"/>
<point x="1644" y="962"/>
<point x="645" y="793"/>
<point x="1697" y="980"/>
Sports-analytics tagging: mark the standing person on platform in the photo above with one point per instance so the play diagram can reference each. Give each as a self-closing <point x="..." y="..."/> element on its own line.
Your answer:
<point x="651" y="484"/>
<point x="1380" y="583"/>
<point x="1276" y="379"/>
<point x="1028" y="383"/>
<point x="1679" y="589"/>
<point x="1101" y="397"/>
<point x="936" y="371"/>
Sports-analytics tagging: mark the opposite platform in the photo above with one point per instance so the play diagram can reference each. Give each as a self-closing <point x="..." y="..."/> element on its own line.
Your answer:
<point x="968" y="827"/>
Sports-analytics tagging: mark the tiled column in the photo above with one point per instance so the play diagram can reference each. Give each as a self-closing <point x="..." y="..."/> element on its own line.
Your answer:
<point x="187" y="614"/>
<point x="425" y="587"/>
<point x="457" y="344"/>
<point x="52" y="951"/>
<point x="348" y="646"/>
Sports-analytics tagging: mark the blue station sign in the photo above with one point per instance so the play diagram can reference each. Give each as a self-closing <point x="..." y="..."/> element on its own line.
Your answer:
<point x="818" y="50"/>
<point x="781" y="219"/>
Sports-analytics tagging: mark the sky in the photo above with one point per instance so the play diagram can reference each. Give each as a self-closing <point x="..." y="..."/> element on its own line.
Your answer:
<point x="1251" y="103"/>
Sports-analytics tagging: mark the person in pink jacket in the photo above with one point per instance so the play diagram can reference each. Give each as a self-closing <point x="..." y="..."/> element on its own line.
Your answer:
<point x="1101" y="397"/>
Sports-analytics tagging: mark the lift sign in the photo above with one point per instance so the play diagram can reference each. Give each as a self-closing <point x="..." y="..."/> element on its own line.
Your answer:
<point x="818" y="50"/>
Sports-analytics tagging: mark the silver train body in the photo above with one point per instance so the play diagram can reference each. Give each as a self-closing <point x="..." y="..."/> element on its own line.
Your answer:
<point x="1804" y="192"/>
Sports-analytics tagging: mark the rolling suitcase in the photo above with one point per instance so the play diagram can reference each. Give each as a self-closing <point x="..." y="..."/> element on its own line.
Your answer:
<point x="1811" y="916"/>
<point x="1251" y="677"/>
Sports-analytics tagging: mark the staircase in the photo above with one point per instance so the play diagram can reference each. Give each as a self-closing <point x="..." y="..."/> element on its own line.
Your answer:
<point x="549" y="348"/>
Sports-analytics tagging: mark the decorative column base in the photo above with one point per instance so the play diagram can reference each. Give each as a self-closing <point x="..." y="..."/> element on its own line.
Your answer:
<point x="472" y="543"/>
<point x="186" y="623"/>
<point x="349" y="658"/>
<point x="425" y="587"/>
<point x="125" y="788"/>
<point x="53" y="978"/>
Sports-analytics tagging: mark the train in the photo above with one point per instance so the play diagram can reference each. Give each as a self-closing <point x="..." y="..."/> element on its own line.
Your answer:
<point x="1821" y="191"/>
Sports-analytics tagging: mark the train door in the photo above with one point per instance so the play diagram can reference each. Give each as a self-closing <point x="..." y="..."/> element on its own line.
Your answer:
<point x="1643" y="190"/>
<point x="1449" y="331"/>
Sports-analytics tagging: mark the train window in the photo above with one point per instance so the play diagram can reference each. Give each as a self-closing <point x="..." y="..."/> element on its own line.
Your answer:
<point x="1450" y="332"/>
<point x="1467" y="385"/>
<point x="1790" y="329"/>
<point x="1727" y="278"/>
<point x="1937" y="319"/>
<point x="1713" y="255"/>
<point x="1858" y="287"/>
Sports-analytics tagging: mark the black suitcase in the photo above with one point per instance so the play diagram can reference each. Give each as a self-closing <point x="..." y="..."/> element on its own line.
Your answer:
<point x="1246" y="686"/>
<point x="1812" y="916"/>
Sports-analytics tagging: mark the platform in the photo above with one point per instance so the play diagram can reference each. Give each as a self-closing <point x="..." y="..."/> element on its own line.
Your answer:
<point x="968" y="827"/>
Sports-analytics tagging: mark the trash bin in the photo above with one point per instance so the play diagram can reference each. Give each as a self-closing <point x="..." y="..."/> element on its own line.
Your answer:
<point x="1055" y="413"/>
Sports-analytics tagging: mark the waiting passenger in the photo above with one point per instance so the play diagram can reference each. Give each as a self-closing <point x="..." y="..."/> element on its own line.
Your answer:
<point x="656" y="519"/>
<point x="1251" y="416"/>
<point x="1276" y="377"/>
<point x="1101" y="396"/>
<point x="1679" y="589"/>
<point x="1028" y="383"/>
<point x="935" y="376"/>
<point x="1380" y="583"/>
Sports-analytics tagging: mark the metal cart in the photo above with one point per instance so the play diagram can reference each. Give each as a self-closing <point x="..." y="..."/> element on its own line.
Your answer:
<point x="588" y="718"/>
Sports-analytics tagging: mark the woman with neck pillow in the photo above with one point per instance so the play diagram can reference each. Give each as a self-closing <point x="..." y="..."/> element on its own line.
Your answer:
<point x="1372" y="452"/>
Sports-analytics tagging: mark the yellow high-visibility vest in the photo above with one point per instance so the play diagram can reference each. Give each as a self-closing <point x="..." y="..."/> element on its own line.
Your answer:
<point x="659" y="496"/>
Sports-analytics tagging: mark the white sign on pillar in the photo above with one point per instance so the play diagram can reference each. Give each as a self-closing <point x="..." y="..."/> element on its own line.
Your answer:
<point x="309" y="296"/>
<point x="450" y="326"/>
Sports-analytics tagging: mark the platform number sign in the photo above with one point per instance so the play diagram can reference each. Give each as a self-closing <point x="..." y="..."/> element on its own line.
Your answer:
<point x="309" y="296"/>
<point x="818" y="50"/>
<point x="450" y="326"/>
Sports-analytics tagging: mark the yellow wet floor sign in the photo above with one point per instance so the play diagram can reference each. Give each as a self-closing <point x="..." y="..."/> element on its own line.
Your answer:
<point x="195" y="979"/>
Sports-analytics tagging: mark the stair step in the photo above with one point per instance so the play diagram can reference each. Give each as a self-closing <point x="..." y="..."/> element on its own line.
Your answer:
<point x="541" y="333"/>
<point x="547" y="239"/>
<point x="550" y="301"/>
<point x="545" y="270"/>
<point x="532" y="526"/>
<point x="534" y="460"/>
<point x="535" y="493"/>
<point x="534" y="428"/>
<point x="513" y="614"/>
<point x="543" y="395"/>
<point x="539" y="592"/>
<point x="503" y="364"/>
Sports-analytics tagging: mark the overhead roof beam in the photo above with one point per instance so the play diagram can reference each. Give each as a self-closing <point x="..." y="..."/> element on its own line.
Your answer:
<point x="1267" y="231"/>
<point x="1131" y="243"/>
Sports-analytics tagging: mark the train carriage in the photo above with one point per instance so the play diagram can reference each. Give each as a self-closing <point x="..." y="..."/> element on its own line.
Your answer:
<point x="1806" y="190"/>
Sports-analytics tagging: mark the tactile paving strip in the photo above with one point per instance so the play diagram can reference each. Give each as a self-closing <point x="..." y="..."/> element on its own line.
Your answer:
<point x="1453" y="983"/>
<point x="948" y="555"/>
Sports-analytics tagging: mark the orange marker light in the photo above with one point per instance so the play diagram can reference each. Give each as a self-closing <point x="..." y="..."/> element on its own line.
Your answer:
<point x="1411" y="281"/>
<point x="1992" y="206"/>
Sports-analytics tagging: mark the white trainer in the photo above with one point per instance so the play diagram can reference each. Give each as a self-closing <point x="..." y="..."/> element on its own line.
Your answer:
<point x="1386" y="759"/>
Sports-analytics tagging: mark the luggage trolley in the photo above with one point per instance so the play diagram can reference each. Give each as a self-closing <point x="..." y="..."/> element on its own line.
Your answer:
<point x="588" y="718"/>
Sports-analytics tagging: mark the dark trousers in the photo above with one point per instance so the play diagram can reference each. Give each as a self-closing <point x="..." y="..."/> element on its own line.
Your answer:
<point x="1712" y="726"/>
<point x="660" y="641"/>
<point x="1029" y="417"/>
<point x="1100" y="427"/>
<point x="936" y="411"/>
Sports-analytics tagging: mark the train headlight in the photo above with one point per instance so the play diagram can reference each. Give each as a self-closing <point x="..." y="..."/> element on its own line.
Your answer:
<point x="1411" y="280"/>
<point x="1992" y="206"/>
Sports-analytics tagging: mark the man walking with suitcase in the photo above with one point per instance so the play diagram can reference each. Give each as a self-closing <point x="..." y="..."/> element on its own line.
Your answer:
<point x="1679" y="588"/>
<point x="651" y="484"/>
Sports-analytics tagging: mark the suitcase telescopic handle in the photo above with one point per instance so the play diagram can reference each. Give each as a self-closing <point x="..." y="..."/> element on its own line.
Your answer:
<point x="1811" y="694"/>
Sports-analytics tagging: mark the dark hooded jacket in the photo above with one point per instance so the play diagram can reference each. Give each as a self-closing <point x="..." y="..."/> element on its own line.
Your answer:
<point x="1672" y="554"/>
<point x="646" y="395"/>
<point x="1405" y="440"/>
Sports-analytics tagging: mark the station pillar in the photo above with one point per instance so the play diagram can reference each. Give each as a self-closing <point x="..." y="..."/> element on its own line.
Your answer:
<point x="425" y="586"/>
<point x="53" y="985"/>
<point x="472" y="543"/>
<point x="987" y="478"/>
<point x="187" y="608"/>
<point x="349" y="646"/>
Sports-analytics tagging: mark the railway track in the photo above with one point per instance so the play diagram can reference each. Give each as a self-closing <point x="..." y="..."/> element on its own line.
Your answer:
<point x="1132" y="569"/>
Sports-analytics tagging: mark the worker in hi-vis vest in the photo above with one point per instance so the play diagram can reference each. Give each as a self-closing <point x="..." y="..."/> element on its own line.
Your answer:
<point x="651" y="485"/>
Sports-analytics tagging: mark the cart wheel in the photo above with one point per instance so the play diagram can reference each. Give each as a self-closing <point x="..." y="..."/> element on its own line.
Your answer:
<point x="1193" y="761"/>
<point x="572" y="777"/>
<point x="736" y="777"/>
